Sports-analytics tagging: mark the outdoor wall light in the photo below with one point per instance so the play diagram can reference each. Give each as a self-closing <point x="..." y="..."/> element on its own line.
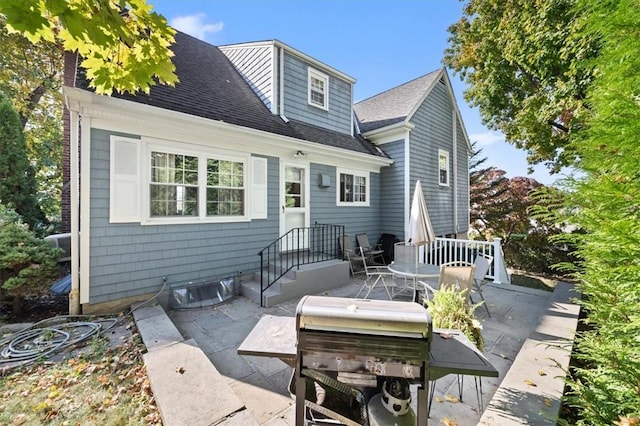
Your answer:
<point x="300" y="155"/>
<point x="324" y="181"/>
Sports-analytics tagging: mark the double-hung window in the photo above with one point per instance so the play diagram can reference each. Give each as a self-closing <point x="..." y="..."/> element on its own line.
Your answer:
<point x="225" y="188"/>
<point x="173" y="189"/>
<point x="180" y="181"/>
<point x="175" y="182"/>
<point x="354" y="188"/>
<point x="318" y="89"/>
<point x="443" y="167"/>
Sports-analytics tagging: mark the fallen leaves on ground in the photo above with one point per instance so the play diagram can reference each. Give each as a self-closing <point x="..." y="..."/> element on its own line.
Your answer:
<point x="103" y="386"/>
<point x="530" y="383"/>
<point x="547" y="402"/>
<point x="451" y="398"/>
<point x="448" y="422"/>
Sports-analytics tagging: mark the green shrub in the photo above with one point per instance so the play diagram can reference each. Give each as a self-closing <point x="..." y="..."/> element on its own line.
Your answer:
<point x="27" y="263"/>
<point x="449" y="309"/>
<point x="605" y="202"/>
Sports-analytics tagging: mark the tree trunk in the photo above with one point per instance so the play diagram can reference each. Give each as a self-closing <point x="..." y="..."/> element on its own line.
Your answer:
<point x="16" y="309"/>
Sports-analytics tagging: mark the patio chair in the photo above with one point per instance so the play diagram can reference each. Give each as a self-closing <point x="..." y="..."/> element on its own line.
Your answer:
<point x="482" y="264"/>
<point x="349" y="254"/>
<point x="372" y="253"/>
<point x="405" y="253"/>
<point x="461" y="275"/>
<point x="456" y="273"/>
<point x="375" y="274"/>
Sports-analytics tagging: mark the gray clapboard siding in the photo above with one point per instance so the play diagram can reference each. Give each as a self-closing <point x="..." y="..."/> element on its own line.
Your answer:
<point x="392" y="203"/>
<point x="296" y="105"/>
<point x="255" y="64"/>
<point x="463" y="181"/>
<point x="434" y="131"/>
<point x="356" y="220"/>
<point x="128" y="259"/>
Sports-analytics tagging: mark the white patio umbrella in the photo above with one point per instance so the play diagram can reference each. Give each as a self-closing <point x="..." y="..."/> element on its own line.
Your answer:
<point x="420" y="230"/>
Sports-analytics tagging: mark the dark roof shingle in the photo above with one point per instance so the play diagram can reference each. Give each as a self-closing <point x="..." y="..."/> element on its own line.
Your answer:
<point x="394" y="105"/>
<point x="210" y="87"/>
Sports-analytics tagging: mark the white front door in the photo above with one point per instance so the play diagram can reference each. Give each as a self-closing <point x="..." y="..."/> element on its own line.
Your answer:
<point x="294" y="204"/>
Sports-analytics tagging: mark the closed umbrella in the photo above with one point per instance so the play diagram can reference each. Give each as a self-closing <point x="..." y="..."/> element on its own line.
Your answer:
<point x="420" y="230"/>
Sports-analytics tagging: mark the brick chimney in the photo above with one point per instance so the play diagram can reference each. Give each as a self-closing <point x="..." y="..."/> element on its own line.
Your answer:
<point x="70" y="61"/>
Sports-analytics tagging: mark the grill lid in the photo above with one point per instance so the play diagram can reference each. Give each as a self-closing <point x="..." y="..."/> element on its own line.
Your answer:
<point x="363" y="316"/>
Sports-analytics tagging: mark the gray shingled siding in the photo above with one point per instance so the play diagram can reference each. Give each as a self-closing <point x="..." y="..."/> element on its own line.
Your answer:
<point x="434" y="131"/>
<point x="254" y="64"/>
<point x="392" y="191"/>
<point x="463" y="181"/>
<point x="296" y="105"/>
<point x="356" y="220"/>
<point x="131" y="259"/>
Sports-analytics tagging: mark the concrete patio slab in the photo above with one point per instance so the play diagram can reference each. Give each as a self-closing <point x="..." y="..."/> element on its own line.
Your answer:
<point x="181" y="379"/>
<point x="260" y="384"/>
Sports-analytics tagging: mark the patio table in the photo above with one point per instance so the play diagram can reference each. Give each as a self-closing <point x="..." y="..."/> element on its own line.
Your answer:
<point x="450" y="353"/>
<point x="415" y="271"/>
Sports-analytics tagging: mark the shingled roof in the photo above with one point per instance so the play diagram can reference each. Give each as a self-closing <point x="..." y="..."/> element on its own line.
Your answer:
<point x="394" y="105"/>
<point x="210" y="87"/>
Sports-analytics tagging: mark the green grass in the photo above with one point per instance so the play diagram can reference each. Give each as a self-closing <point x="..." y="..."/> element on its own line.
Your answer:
<point x="539" y="282"/>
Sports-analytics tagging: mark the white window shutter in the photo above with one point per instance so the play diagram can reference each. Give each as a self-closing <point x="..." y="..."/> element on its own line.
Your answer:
<point x="124" y="192"/>
<point x="258" y="188"/>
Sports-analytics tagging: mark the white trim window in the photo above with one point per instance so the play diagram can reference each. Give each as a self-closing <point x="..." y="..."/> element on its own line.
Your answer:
<point x="225" y="188"/>
<point x="318" y="89"/>
<point x="173" y="186"/>
<point x="189" y="184"/>
<point x="353" y="189"/>
<point x="159" y="182"/>
<point x="443" y="167"/>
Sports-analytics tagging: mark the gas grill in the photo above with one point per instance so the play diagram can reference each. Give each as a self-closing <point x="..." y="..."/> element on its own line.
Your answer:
<point x="379" y="339"/>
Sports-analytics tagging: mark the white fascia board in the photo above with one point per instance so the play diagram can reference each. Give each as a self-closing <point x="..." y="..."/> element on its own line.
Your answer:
<point x="457" y="110"/>
<point x="426" y="93"/>
<point x="131" y="117"/>
<point x="390" y="133"/>
<point x="316" y="63"/>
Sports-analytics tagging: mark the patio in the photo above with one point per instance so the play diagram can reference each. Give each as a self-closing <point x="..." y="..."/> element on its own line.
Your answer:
<point x="261" y="383"/>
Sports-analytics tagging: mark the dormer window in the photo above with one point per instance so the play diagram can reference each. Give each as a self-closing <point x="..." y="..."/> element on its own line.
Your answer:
<point x="318" y="89"/>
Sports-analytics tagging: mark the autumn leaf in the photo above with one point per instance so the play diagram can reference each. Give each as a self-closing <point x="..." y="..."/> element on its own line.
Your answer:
<point x="530" y="383"/>
<point x="438" y="399"/>
<point x="451" y="398"/>
<point x="448" y="422"/>
<point x="547" y="402"/>
<point x="541" y="373"/>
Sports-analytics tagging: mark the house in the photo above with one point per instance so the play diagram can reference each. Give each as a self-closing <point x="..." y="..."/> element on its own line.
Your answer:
<point x="192" y="182"/>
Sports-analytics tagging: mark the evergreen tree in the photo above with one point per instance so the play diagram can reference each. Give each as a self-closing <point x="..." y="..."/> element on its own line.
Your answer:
<point x="17" y="181"/>
<point x="605" y="203"/>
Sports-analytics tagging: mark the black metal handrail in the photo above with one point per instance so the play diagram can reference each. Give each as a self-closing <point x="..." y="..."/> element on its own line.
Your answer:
<point x="299" y="246"/>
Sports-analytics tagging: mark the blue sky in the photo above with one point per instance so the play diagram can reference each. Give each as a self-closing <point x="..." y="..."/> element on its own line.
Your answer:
<point x="380" y="43"/>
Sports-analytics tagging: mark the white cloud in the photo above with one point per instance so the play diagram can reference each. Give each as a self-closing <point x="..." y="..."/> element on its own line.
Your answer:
<point x="486" y="138"/>
<point x="195" y="25"/>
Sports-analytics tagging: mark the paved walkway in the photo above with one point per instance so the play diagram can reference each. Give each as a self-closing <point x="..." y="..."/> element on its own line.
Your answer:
<point x="254" y="389"/>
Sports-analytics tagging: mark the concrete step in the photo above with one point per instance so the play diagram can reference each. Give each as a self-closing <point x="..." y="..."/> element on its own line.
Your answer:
<point x="308" y="279"/>
<point x="178" y="369"/>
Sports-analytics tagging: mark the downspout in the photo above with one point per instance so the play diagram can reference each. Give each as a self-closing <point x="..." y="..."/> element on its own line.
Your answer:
<point x="74" y="294"/>
<point x="85" y="206"/>
<point x="456" y="225"/>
